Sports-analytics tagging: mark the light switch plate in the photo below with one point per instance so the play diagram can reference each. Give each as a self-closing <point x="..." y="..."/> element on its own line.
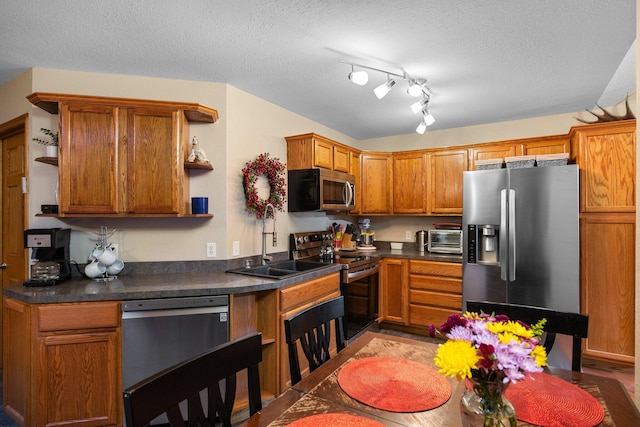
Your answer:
<point x="236" y="248"/>
<point x="408" y="235"/>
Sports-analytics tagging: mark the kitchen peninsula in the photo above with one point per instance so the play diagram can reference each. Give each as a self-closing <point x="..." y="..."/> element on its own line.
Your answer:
<point x="63" y="360"/>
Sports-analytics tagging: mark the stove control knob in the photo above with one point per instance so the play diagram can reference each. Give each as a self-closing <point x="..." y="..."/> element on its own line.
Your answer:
<point x="306" y="238"/>
<point x="299" y="240"/>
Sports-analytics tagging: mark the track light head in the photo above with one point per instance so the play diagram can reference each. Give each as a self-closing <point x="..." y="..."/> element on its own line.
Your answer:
<point x="382" y="90"/>
<point x="359" y="77"/>
<point x="428" y="118"/>
<point x="416" y="87"/>
<point x="418" y="106"/>
<point x="421" y="127"/>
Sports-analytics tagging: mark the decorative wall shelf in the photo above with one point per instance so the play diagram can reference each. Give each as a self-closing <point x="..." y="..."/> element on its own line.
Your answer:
<point x="48" y="160"/>
<point x="198" y="165"/>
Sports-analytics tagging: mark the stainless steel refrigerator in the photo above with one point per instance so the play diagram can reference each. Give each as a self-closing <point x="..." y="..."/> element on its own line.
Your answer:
<point x="521" y="237"/>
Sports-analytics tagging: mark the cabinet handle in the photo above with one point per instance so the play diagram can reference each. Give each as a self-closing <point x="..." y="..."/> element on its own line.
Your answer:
<point x="3" y="266"/>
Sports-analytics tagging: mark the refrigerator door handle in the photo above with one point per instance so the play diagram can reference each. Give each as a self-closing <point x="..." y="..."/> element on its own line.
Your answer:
<point x="503" y="235"/>
<point x="512" y="235"/>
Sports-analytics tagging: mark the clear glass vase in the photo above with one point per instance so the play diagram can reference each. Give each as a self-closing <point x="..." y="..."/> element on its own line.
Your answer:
<point x="483" y="404"/>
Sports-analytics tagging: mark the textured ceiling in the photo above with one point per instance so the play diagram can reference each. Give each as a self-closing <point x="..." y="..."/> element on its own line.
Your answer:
<point x="485" y="60"/>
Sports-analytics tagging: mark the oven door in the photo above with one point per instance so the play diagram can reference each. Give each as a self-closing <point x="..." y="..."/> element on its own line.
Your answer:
<point x="360" y="290"/>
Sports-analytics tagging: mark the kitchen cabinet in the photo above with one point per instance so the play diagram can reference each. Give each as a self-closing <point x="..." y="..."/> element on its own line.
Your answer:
<point x="606" y="155"/>
<point x="314" y="151"/>
<point x="354" y="169"/>
<point x="120" y="157"/>
<point x="555" y="144"/>
<point x="435" y="291"/>
<point x="410" y="183"/>
<point x="492" y="151"/>
<point x="446" y="167"/>
<point x="394" y="291"/>
<point x="64" y="366"/>
<point x="607" y="284"/>
<point x="377" y="183"/>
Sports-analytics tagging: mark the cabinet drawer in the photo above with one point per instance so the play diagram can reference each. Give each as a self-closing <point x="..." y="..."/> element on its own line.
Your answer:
<point x="312" y="290"/>
<point x="84" y="315"/>
<point x="436" y="268"/>
<point x="435" y="283"/>
<point x="424" y="316"/>
<point x="447" y="301"/>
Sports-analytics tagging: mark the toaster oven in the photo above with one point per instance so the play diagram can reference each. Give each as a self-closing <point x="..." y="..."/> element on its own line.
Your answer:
<point x="445" y="241"/>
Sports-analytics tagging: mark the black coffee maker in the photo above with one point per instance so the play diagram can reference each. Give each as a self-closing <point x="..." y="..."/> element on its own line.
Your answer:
<point x="50" y="252"/>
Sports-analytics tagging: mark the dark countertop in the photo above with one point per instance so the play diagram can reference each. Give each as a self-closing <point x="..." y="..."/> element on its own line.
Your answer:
<point x="184" y="284"/>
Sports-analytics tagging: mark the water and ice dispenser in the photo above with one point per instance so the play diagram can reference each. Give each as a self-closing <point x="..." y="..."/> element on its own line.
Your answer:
<point x="484" y="244"/>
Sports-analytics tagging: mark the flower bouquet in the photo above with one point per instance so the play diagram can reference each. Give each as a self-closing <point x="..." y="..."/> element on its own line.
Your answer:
<point x="489" y="352"/>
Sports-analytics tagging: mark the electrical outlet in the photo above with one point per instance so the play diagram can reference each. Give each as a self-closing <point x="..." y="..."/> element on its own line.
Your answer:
<point x="236" y="248"/>
<point x="211" y="250"/>
<point x="408" y="235"/>
<point x="114" y="248"/>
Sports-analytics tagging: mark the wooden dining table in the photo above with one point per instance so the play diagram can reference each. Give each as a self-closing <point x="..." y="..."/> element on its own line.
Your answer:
<point x="320" y="392"/>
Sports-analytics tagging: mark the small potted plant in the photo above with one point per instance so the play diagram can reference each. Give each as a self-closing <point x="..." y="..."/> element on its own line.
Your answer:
<point x="51" y="144"/>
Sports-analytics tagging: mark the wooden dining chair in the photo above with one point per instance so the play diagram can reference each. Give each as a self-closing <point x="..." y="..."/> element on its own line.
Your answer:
<point x="572" y="324"/>
<point x="163" y="392"/>
<point x="312" y="327"/>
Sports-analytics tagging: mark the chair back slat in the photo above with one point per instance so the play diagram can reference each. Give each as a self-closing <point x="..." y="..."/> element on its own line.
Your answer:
<point x="312" y="327"/>
<point x="163" y="392"/>
<point x="575" y="325"/>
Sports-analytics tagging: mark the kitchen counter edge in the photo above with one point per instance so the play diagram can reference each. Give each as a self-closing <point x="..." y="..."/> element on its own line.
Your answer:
<point x="182" y="285"/>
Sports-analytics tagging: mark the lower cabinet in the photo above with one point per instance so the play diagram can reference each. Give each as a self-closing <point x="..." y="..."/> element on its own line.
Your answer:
<point x="417" y="293"/>
<point x="435" y="291"/>
<point x="62" y="363"/>
<point x="607" y="284"/>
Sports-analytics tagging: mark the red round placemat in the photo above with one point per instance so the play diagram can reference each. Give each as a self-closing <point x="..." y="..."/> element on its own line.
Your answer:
<point x="552" y="402"/>
<point x="394" y="384"/>
<point x="335" y="420"/>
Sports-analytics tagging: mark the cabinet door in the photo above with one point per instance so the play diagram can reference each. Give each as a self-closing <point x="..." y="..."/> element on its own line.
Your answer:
<point x="492" y="151"/>
<point x="354" y="169"/>
<point x="341" y="159"/>
<point x="446" y="181"/>
<point x="607" y="284"/>
<point x="376" y="183"/>
<point x="323" y="154"/>
<point x="88" y="162"/>
<point x="79" y="379"/>
<point x="547" y="145"/>
<point x="155" y="156"/>
<point x="607" y="160"/>
<point x="394" y="290"/>
<point x="409" y="183"/>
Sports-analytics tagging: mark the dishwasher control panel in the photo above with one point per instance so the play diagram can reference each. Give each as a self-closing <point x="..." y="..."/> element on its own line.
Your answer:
<point x="175" y="303"/>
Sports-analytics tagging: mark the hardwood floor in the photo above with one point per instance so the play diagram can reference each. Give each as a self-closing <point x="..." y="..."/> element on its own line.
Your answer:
<point x="621" y="372"/>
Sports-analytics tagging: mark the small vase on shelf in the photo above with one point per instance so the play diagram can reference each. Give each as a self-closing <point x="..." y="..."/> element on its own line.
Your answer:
<point x="483" y="404"/>
<point x="51" y="151"/>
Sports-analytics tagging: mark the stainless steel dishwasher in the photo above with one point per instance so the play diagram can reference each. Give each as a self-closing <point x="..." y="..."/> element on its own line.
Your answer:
<point x="158" y="333"/>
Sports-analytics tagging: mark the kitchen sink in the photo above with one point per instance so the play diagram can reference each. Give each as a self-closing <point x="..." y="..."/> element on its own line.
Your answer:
<point x="280" y="269"/>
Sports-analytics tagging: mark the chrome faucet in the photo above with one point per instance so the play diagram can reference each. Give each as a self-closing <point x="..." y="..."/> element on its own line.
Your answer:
<point x="265" y="257"/>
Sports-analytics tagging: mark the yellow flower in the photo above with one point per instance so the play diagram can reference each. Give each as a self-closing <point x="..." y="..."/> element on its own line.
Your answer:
<point x="512" y="327"/>
<point x="456" y="358"/>
<point x="540" y="355"/>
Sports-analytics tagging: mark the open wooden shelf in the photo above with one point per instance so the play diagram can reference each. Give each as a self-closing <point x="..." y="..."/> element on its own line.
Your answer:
<point x="48" y="160"/>
<point x="198" y="165"/>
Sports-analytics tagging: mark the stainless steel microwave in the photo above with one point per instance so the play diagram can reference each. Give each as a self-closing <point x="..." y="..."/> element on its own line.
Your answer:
<point x="320" y="190"/>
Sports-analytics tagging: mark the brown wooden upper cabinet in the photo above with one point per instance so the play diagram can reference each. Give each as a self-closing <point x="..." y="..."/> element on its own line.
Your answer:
<point x="607" y="160"/>
<point x="377" y="183"/>
<point x="446" y="170"/>
<point x="410" y="182"/>
<point x="554" y="144"/>
<point x="314" y="151"/>
<point x="122" y="157"/>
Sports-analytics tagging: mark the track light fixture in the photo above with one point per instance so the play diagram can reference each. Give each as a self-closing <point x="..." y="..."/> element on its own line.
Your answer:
<point x="417" y="87"/>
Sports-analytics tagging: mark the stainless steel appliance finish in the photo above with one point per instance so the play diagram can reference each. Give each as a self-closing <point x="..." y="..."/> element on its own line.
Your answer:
<point x="320" y="190"/>
<point x="422" y="240"/>
<point x="359" y="277"/>
<point x="521" y="236"/>
<point x="445" y="241"/>
<point x="159" y="333"/>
